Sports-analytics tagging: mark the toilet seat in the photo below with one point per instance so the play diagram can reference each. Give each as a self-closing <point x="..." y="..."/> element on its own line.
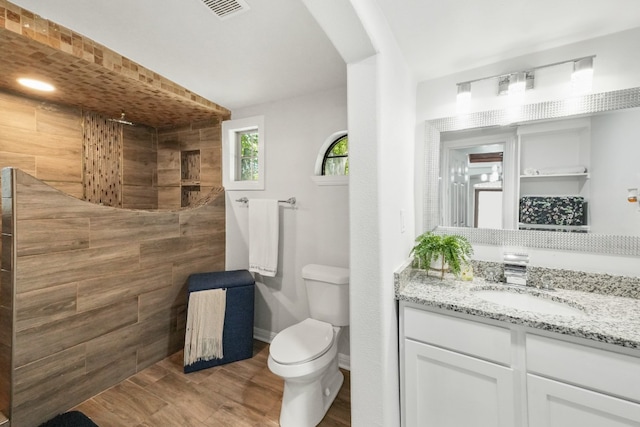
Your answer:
<point x="302" y="342"/>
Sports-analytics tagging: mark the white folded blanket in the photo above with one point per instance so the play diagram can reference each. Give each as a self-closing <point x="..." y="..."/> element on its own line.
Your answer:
<point x="562" y="170"/>
<point x="205" y="326"/>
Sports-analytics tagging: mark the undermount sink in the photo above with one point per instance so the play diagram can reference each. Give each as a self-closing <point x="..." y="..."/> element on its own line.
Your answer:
<point x="528" y="302"/>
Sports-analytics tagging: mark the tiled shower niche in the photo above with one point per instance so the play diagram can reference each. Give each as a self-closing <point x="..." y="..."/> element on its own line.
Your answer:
<point x="189" y="177"/>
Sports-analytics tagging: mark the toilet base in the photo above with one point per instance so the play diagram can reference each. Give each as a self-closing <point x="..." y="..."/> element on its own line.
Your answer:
<point x="305" y="401"/>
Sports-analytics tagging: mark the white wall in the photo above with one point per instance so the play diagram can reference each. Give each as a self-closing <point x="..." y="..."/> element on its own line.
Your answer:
<point x="381" y="105"/>
<point x="317" y="231"/>
<point x="381" y="112"/>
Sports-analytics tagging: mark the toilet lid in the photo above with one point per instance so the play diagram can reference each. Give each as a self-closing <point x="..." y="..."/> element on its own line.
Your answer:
<point x="302" y="342"/>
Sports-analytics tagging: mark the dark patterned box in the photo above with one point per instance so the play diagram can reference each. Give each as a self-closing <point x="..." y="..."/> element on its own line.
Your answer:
<point x="552" y="210"/>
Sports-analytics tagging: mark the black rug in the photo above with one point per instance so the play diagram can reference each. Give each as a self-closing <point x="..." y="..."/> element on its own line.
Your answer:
<point x="70" y="419"/>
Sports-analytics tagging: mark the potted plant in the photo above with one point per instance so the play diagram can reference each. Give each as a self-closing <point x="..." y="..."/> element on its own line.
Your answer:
<point x="441" y="252"/>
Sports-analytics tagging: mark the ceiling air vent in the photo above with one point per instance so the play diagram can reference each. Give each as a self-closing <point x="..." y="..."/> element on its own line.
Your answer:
<point x="226" y="8"/>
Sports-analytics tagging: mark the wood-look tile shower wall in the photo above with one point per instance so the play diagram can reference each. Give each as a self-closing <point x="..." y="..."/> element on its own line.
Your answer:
<point x="189" y="163"/>
<point x="86" y="298"/>
<point x="92" y="294"/>
<point x="46" y="141"/>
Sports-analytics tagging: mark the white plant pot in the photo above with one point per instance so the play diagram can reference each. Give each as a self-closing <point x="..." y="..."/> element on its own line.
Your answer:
<point x="437" y="265"/>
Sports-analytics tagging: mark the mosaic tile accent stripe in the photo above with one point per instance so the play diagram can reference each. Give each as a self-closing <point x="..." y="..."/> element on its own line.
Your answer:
<point x="587" y="104"/>
<point x="92" y="76"/>
<point x="103" y="149"/>
<point x="576" y="242"/>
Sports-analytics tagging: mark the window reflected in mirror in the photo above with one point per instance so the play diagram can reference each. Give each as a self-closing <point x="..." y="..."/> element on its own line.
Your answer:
<point x="473" y="189"/>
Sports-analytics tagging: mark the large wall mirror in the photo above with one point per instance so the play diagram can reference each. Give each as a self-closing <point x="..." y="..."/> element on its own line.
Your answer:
<point x="553" y="175"/>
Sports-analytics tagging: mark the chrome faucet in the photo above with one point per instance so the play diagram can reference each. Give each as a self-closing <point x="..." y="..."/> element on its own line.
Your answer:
<point x="515" y="268"/>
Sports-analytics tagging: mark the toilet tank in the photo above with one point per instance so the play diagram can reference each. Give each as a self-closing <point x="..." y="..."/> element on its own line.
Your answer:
<point x="327" y="293"/>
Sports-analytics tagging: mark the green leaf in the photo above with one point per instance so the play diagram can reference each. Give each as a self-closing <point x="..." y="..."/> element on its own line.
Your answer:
<point x="455" y="251"/>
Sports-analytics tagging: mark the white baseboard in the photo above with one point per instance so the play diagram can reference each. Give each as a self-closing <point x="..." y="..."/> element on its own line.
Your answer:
<point x="344" y="361"/>
<point x="263" y="335"/>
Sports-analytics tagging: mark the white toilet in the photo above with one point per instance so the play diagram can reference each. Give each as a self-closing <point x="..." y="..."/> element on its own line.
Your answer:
<point x="305" y="355"/>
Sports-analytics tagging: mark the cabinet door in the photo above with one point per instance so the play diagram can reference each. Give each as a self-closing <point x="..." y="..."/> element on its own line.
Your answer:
<point x="448" y="389"/>
<point x="555" y="404"/>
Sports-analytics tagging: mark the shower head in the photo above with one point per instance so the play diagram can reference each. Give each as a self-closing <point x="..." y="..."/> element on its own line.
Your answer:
<point x="122" y="120"/>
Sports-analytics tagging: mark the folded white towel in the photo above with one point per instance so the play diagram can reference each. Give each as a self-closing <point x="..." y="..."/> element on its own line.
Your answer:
<point x="205" y="326"/>
<point x="263" y="236"/>
<point x="562" y="170"/>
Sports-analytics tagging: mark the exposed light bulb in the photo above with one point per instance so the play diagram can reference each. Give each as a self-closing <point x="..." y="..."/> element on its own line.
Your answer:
<point x="582" y="76"/>
<point x="517" y="86"/>
<point x="463" y="99"/>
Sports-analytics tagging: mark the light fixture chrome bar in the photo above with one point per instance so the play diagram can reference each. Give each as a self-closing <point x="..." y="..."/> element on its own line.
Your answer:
<point x="529" y="69"/>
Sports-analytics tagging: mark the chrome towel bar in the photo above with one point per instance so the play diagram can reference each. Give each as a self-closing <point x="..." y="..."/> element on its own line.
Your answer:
<point x="290" y="200"/>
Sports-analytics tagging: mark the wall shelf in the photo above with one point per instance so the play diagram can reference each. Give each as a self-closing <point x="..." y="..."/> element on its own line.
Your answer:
<point x="556" y="176"/>
<point x="527" y="226"/>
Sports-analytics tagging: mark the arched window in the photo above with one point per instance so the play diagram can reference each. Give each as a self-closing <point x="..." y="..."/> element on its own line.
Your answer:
<point x="336" y="157"/>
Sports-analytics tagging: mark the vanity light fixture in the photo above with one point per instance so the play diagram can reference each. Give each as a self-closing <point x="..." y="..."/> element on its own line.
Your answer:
<point x="36" y="84"/>
<point x="511" y="83"/>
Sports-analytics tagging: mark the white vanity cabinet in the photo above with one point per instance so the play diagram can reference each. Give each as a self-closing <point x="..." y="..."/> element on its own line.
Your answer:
<point x="570" y="385"/>
<point x="455" y="372"/>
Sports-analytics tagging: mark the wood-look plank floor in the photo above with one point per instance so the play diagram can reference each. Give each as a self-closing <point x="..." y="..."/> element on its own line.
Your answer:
<point x="239" y="394"/>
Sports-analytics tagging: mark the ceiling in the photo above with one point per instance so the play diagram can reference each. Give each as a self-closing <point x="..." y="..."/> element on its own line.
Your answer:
<point x="276" y="50"/>
<point x="441" y="37"/>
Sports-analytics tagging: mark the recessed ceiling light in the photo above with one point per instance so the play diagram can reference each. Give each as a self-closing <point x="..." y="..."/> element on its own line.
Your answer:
<point x="36" y="84"/>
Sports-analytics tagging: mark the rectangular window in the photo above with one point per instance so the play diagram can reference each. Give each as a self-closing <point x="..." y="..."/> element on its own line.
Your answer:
<point x="249" y="166"/>
<point x="243" y="151"/>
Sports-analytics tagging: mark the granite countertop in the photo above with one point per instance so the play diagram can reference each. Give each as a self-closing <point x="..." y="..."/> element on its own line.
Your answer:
<point x="604" y="318"/>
